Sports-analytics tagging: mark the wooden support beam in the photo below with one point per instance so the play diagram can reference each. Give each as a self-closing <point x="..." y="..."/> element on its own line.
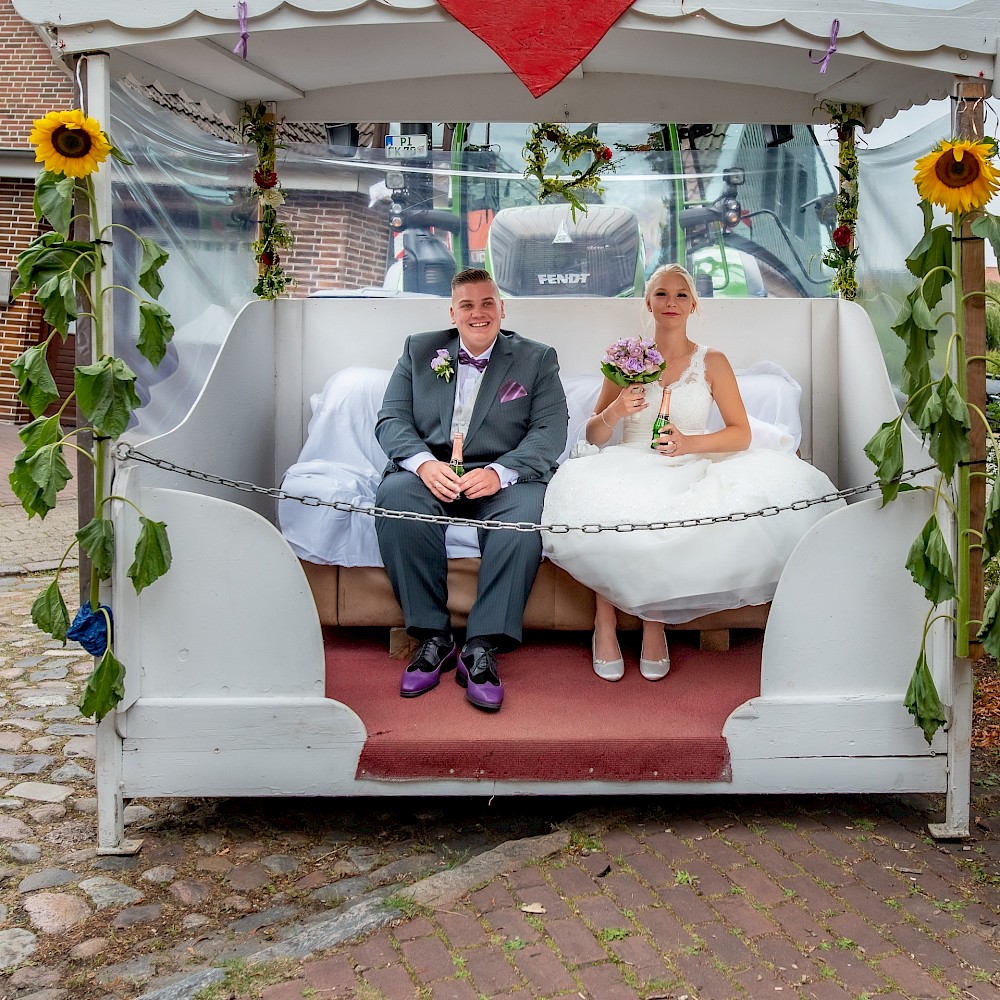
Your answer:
<point x="969" y="117"/>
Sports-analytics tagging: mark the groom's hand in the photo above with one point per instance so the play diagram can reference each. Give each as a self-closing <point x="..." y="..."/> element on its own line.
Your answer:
<point x="479" y="483"/>
<point x="439" y="478"/>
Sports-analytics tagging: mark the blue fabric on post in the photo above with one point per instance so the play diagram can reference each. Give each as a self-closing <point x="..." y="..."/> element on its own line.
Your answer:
<point x="90" y="629"/>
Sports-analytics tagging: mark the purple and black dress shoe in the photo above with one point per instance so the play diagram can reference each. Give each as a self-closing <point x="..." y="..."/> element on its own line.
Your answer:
<point x="434" y="657"/>
<point x="477" y="673"/>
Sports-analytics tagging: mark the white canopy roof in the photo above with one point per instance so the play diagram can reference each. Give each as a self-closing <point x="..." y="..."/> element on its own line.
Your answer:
<point x="663" y="60"/>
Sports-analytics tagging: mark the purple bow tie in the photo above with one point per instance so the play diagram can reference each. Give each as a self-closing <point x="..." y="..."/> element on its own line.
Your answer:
<point x="465" y="358"/>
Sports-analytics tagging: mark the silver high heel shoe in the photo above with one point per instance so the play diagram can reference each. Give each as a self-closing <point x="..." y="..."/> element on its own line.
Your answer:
<point x="609" y="670"/>
<point x="654" y="670"/>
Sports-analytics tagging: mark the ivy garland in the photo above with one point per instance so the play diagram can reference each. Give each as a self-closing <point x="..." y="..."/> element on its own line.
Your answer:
<point x="570" y="146"/>
<point x="258" y="128"/>
<point x="842" y="256"/>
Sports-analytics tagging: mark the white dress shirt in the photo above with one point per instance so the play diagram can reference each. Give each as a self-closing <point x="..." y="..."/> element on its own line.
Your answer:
<point x="469" y="378"/>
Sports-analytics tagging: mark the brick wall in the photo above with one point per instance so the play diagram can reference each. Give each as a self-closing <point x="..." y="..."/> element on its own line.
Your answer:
<point x="339" y="241"/>
<point x="29" y="80"/>
<point x="32" y="84"/>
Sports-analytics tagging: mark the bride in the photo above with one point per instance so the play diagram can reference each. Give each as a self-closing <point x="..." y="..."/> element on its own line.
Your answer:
<point x="675" y="574"/>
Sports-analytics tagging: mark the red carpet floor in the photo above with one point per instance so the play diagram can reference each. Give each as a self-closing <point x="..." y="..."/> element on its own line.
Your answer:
<point x="559" y="721"/>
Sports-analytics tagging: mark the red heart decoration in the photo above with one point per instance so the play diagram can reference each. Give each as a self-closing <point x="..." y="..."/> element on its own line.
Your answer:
<point x="541" y="42"/>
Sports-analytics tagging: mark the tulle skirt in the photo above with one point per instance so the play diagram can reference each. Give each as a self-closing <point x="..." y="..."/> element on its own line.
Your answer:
<point x="679" y="573"/>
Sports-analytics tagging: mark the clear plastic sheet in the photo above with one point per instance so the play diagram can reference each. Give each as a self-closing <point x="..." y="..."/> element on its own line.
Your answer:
<point x="188" y="191"/>
<point x="890" y="224"/>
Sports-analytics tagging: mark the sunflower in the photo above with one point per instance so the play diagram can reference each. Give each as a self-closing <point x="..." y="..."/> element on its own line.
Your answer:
<point x="68" y="142"/>
<point x="957" y="175"/>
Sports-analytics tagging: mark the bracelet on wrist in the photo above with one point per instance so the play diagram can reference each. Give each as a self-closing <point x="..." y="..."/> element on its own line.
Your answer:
<point x="604" y="421"/>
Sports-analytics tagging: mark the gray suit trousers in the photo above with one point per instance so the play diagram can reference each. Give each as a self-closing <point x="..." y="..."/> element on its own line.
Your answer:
<point x="415" y="558"/>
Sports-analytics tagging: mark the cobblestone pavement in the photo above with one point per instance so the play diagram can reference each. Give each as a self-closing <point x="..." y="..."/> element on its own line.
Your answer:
<point x="674" y="897"/>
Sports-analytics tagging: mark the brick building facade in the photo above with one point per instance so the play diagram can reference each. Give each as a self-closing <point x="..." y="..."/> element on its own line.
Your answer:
<point x="32" y="84"/>
<point x="339" y="241"/>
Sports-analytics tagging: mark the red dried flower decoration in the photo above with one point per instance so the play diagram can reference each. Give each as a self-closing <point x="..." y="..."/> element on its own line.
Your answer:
<point x="265" y="179"/>
<point x="842" y="236"/>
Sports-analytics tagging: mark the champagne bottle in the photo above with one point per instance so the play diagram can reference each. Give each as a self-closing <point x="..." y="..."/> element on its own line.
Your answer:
<point x="456" y="463"/>
<point x="662" y="418"/>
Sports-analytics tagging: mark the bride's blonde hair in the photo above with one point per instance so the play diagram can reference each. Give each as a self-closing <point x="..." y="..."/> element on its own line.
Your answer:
<point x="667" y="269"/>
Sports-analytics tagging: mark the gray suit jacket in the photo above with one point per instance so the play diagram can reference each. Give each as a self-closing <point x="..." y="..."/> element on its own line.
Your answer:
<point x="525" y="434"/>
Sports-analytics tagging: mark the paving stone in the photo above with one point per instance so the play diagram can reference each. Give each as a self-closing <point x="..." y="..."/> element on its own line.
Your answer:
<point x="42" y="699"/>
<point x="24" y="763"/>
<point x="34" y="977"/>
<point x="24" y="853"/>
<point x="90" y="948"/>
<point x="540" y="967"/>
<point x="47" y="813"/>
<point x="133" y="915"/>
<point x="236" y="904"/>
<point x="54" y="913"/>
<point x="47" y="878"/>
<point x="191" y="921"/>
<point x="209" y="842"/>
<point x="313" y="880"/>
<point x="87" y="805"/>
<point x="159" y="875"/>
<point x="136" y="814"/>
<point x="346" y="888"/>
<point x="163" y="853"/>
<point x="40" y="791"/>
<point x="265" y="918"/>
<point x="17" y="945"/>
<point x="135" y="971"/>
<point x="10" y="742"/>
<point x="105" y="892"/>
<point x="215" y="864"/>
<point x="70" y="729"/>
<point x="117" y="863"/>
<point x="395" y="871"/>
<point x="71" y="772"/>
<point x="247" y="877"/>
<point x="490" y="969"/>
<point x="247" y="849"/>
<point x="80" y="855"/>
<point x="190" y="892"/>
<point x="280" y="864"/>
<point x="28" y="725"/>
<point x="363" y="858"/>
<point x="81" y="746"/>
<point x="49" y="674"/>
<point x="43" y="743"/>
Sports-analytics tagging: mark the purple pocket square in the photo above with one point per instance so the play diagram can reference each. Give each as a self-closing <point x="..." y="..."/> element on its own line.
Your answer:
<point x="512" y="390"/>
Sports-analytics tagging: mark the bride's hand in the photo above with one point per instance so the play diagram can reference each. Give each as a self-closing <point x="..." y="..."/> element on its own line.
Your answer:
<point x="632" y="400"/>
<point x="673" y="442"/>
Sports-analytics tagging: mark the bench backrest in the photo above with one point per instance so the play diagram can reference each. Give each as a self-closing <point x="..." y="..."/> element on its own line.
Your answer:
<point x="798" y="334"/>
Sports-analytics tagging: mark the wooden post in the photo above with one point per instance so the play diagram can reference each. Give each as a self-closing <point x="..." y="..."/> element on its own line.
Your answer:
<point x="969" y="117"/>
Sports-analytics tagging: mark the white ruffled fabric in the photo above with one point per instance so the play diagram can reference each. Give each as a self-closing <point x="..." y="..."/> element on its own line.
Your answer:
<point x="676" y="574"/>
<point x="342" y="461"/>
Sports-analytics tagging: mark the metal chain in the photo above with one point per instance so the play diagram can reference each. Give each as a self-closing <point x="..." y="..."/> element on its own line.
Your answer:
<point x="124" y="451"/>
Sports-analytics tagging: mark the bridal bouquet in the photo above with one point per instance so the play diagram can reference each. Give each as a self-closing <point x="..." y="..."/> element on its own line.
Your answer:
<point x="632" y="361"/>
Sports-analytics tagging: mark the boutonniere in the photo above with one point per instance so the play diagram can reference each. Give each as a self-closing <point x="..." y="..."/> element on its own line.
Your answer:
<point x="441" y="363"/>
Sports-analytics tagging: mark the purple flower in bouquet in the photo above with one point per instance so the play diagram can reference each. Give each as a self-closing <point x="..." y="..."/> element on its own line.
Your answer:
<point x="632" y="361"/>
<point x="441" y="363"/>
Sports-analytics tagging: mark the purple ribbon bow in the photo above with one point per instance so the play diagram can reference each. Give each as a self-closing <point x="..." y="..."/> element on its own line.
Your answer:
<point x="241" y="46"/>
<point x="465" y="358"/>
<point x="824" y="60"/>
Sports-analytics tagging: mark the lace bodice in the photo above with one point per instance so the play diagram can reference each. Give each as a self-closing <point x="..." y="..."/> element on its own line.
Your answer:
<point x="690" y="404"/>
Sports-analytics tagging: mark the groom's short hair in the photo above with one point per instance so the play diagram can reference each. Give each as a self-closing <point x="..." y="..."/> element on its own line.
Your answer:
<point x="471" y="276"/>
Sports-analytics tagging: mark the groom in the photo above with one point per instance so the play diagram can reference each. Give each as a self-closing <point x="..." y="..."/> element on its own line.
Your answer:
<point x="503" y="393"/>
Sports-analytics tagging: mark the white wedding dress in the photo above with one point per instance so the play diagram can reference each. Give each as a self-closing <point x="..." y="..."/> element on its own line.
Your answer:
<point x="676" y="574"/>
